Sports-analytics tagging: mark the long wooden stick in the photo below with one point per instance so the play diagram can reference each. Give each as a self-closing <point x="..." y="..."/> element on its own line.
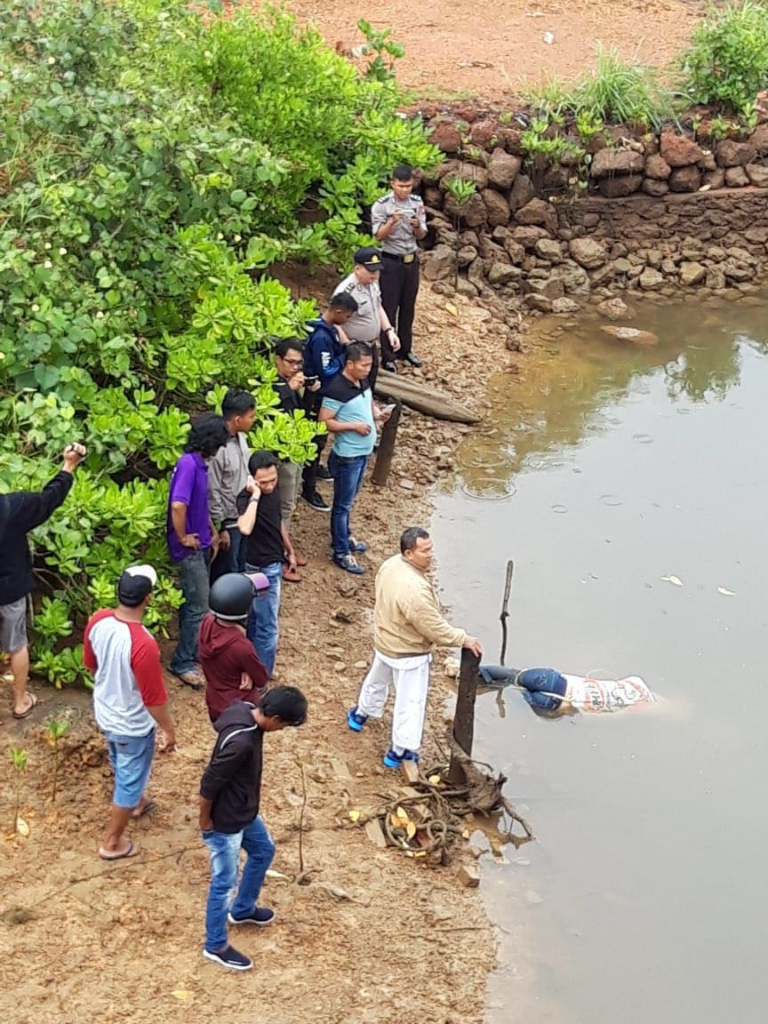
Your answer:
<point x="505" y="610"/>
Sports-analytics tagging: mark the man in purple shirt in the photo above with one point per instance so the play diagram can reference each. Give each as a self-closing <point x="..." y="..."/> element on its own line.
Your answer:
<point x="193" y="540"/>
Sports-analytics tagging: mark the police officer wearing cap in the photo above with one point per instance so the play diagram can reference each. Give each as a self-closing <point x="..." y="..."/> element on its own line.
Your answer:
<point x="370" y="322"/>
<point x="398" y="221"/>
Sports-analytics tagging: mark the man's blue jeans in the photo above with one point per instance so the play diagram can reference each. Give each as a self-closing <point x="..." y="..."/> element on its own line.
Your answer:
<point x="225" y="855"/>
<point x="193" y="583"/>
<point x="262" y="628"/>
<point x="347" y="479"/>
<point x="231" y="560"/>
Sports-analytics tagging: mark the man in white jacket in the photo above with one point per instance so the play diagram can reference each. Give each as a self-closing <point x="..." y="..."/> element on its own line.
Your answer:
<point x="407" y="626"/>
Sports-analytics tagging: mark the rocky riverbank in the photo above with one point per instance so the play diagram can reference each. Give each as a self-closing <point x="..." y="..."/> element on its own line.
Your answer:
<point x="637" y="212"/>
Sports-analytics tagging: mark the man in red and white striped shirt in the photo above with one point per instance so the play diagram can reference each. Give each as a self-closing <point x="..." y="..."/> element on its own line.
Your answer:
<point x="129" y="700"/>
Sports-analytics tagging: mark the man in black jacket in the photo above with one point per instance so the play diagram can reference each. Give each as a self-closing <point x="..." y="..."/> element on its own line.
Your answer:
<point x="230" y="793"/>
<point x="21" y="512"/>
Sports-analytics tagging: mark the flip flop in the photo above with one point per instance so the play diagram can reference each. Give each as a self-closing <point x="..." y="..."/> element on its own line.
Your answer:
<point x="191" y="679"/>
<point x="32" y="705"/>
<point x="146" y="809"/>
<point x="131" y="851"/>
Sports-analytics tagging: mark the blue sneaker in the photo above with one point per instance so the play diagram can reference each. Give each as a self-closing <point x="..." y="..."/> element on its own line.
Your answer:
<point x="259" y="915"/>
<point x="357" y="547"/>
<point x="355" y="720"/>
<point x="349" y="564"/>
<point x="411" y="755"/>
<point x="392" y="760"/>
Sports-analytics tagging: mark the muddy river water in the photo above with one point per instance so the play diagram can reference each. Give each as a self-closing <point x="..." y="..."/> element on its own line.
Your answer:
<point x="602" y="470"/>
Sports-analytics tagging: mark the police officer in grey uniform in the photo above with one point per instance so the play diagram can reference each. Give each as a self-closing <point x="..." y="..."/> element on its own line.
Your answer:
<point x="398" y="221"/>
<point x="370" y="321"/>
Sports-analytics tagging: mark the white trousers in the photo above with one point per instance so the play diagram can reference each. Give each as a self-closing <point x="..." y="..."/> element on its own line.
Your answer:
<point x="410" y="678"/>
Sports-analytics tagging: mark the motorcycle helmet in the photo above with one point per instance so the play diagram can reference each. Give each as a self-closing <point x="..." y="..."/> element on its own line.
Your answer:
<point x="231" y="596"/>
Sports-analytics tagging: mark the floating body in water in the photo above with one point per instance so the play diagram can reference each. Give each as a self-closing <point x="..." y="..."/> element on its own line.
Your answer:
<point x="547" y="690"/>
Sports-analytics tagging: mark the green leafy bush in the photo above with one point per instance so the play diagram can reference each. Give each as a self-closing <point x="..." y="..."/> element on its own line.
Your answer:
<point x="727" y="64"/>
<point x="151" y="157"/>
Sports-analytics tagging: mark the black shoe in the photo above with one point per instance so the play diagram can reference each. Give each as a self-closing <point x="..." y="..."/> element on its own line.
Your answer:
<point x="323" y="473"/>
<point x="317" y="501"/>
<point x="230" y="958"/>
<point x="412" y="360"/>
<point x="389" y="366"/>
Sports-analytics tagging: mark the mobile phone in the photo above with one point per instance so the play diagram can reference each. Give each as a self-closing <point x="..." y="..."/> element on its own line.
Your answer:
<point x="311" y="380"/>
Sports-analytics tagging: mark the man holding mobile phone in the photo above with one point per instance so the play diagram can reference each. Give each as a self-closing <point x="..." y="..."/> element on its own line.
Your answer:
<point x="398" y="222"/>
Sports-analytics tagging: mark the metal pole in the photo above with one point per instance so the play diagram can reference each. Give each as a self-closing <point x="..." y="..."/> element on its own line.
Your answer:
<point x="386" y="450"/>
<point x="464" y="720"/>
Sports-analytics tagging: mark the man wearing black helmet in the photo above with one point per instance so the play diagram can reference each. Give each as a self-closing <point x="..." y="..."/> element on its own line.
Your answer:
<point x="232" y="668"/>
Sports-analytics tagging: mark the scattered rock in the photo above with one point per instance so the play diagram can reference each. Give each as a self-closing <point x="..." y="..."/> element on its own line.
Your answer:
<point x="503" y="169"/>
<point x="737" y="271"/>
<point x="730" y="153"/>
<point x="445" y="135"/>
<point x="615" y="309"/>
<point x="587" y="252"/>
<point x="691" y="274"/>
<point x="565" y="305"/>
<point x="466" y="171"/>
<point x="503" y="273"/>
<point x="685" y="179"/>
<point x="714" y="179"/>
<point x="375" y="834"/>
<point x="466" y="254"/>
<point x="552" y="288"/>
<point x="736" y="177"/>
<point x="610" y="162"/>
<point x="538" y="302"/>
<point x="619" y="187"/>
<point x="468" y="875"/>
<point x="758" y="175"/>
<point x="651" y="280"/>
<point x="522" y="193"/>
<point x="407" y="485"/>
<point x="632" y="334"/>
<point x="528" y="236"/>
<point x="472" y="212"/>
<point x="548" y="249"/>
<point x="679" y="150"/>
<point x="439" y="264"/>
<point x="656" y="167"/>
<point x="496" y="207"/>
<point x="537" y="213"/>
<point x="715" y="279"/>
<point x="347" y="587"/>
<point x="574" y="278"/>
<point x="652" y="187"/>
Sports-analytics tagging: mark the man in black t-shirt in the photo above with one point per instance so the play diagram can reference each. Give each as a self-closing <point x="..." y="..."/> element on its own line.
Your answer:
<point x="267" y="549"/>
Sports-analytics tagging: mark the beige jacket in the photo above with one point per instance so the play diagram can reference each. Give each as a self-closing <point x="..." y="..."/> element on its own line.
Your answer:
<point x="406" y="618"/>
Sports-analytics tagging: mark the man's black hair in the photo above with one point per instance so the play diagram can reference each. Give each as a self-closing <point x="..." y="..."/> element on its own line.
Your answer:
<point x="343" y="300"/>
<point x="288" y="703"/>
<point x="402" y="172"/>
<point x="286" y="345"/>
<point x="357" y="350"/>
<point x="208" y="434"/>
<point x="237" y="403"/>
<point x="410" y="536"/>
<point x="261" y="459"/>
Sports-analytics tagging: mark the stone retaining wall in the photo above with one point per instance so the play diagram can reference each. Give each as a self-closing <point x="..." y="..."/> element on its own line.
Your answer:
<point x="658" y="213"/>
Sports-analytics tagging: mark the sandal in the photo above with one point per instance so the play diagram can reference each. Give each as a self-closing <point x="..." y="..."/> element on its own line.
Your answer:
<point x="18" y="715"/>
<point x="148" y="807"/>
<point x="130" y="851"/>
<point x="290" y="575"/>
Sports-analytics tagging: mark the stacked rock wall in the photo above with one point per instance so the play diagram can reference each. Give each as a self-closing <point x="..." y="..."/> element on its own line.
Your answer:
<point x="656" y="214"/>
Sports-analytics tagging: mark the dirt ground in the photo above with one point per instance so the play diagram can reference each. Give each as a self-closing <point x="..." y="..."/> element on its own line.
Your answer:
<point x="84" y="940"/>
<point x="459" y="47"/>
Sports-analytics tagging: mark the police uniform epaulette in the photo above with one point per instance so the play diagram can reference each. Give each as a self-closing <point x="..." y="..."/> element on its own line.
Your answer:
<point x="383" y="199"/>
<point x="350" y="286"/>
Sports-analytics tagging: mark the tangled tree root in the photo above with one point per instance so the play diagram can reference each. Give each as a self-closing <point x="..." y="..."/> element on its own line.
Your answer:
<point x="426" y="818"/>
